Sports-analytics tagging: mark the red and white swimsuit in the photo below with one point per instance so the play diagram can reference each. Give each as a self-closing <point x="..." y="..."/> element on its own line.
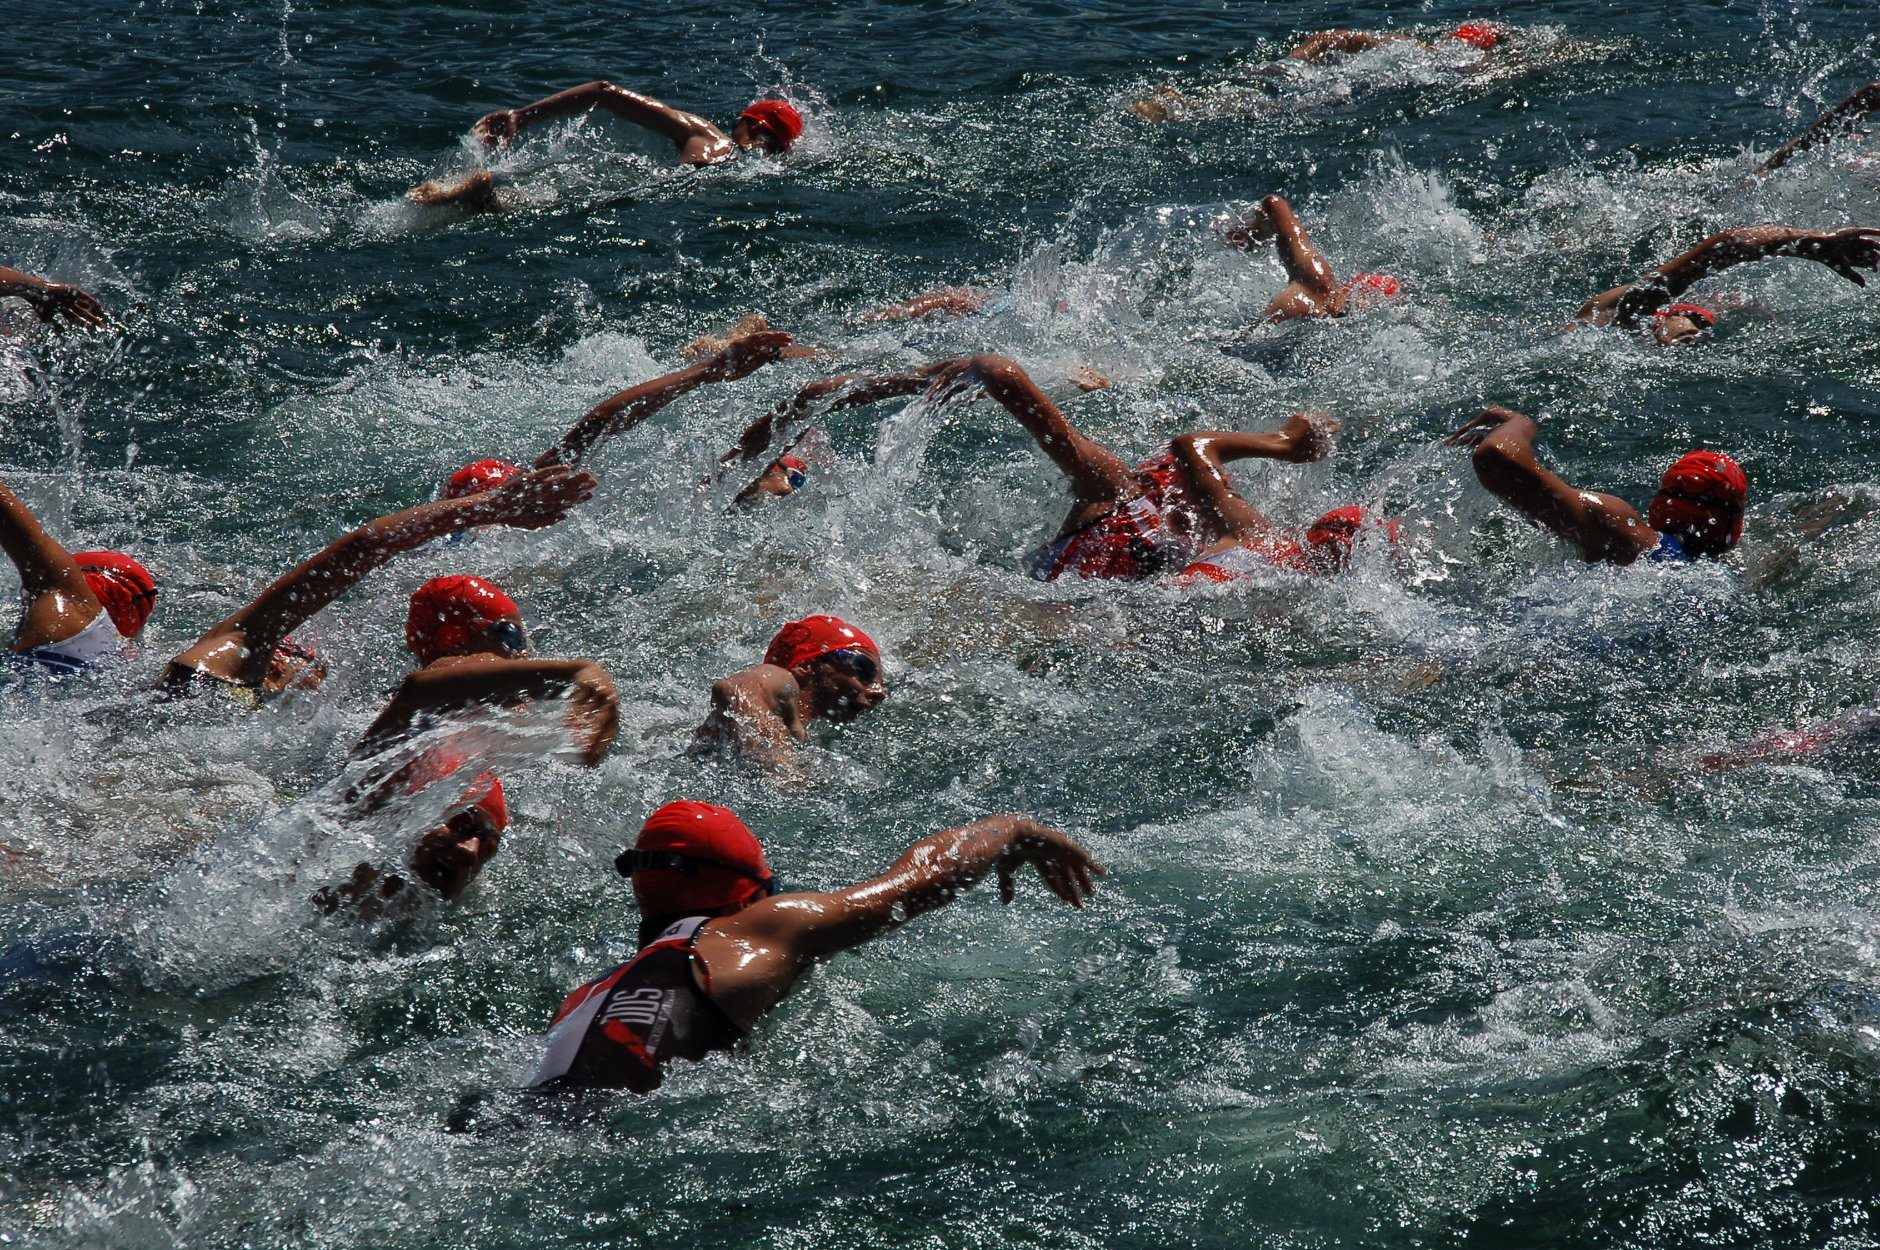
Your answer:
<point x="1130" y="542"/>
<point x="620" y="1031"/>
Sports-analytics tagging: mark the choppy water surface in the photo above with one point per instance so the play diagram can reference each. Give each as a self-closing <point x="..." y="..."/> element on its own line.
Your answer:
<point x="1422" y="925"/>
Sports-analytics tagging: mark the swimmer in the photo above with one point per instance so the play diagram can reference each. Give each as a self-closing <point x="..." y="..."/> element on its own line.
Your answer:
<point x="1653" y="295"/>
<point x="818" y="667"/>
<point x="1335" y="45"/>
<point x="1312" y="290"/>
<point x="1840" y="121"/>
<point x="1250" y="543"/>
<point x="1697" y="512"/>
<point x="1124" y="524"/>
<point x="52" y="299"/>
<point x="620" y="412"/>
<point x="1857" y="730"/>
<point x="720" y="947"/>
<point x="769" y="126"/>
<point x="1326" y="48"/>
<point x="251" y="650"/>
<point x="77" y="608"/>
<point x="469" y="639"/>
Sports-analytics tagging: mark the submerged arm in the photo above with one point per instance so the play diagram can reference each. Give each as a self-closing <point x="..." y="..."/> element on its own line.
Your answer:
<point x="593" y="713"/>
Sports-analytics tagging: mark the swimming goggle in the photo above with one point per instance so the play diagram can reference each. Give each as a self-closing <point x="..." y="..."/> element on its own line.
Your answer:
<point x="629" y="862"/>
<point x="508" y="637"/>
<point x="857" y="664"/>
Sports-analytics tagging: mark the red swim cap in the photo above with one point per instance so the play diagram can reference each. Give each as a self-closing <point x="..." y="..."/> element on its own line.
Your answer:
<point x="1481" y="34"/>
<point x="474" y="479"/>
<point x="1333" y="535"/>
<point x="1382" y="283"/>
<point x="447" y="612"/>
<point x="778" y="117"/>
<point x="795" y="463"/>
<point x="808" y="640"/>
<point x="493" y="804"/>
<point x="122" y="585"/>
<point x="1703" y="496"/>
<point x="719" y="864"/>
<point x="1696" y="312"/>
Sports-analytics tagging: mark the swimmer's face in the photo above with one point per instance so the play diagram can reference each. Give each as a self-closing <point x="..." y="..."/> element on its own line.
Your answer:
<point x="1677" y="329"/>
<point x="748" y="134"/>
<point x="449" y="857"/>
<point x="293" y="668"/>
<point x="846" y="684"/>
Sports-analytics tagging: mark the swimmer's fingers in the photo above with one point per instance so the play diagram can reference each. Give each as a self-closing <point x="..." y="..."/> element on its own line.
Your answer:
<point x="1481" y="426"/>
<point x="1846" y="251"/>
<point x="76" y="306"/>
<point x="496" y="129"/>
<point x="1006" y="888"/>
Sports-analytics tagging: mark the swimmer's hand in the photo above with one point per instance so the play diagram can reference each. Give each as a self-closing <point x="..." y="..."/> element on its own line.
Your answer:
<point x="593" y="715"/>
<point x="1845" y="251"/>
<point x="1256" y="227"/>
<point x="1489" y="420"/>
<point x="1067" y="868"/>
<point x="56" y="299"/>
<point x="497" y="129"/>
<point x="1312" y="433"/>
<point x="746" y="355"/>
<point x="538" y="499"/>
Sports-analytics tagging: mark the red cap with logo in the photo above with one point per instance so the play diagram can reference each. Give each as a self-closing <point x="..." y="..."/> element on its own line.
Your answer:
<point x="123" y="586"/>
<point x="1703" y="496"/>
<point x="808" y="640"/>
<point x="474" y="479"/>
<point x="695" y="857"/>
<point x="447" y="612"/>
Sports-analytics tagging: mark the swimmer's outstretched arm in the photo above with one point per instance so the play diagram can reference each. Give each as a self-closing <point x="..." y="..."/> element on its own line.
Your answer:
<point x="687" y="131"/>
<point x="52" y="299"/>
<point x="1273" y="218"/>
<point x="1603" y="527"/>
<point x="619" y="413"/>
<point x="239" y="649"/>
<point x="1203" y="456"/>
<point x="57" y="600"/>
<point x="756" y="954"/>
<point x="1836" y="122"/>
<point x="1846" y="251"/>
<point x="1329" y="45"/>
<point x="947" y="301"/>
<point x="593" y="705"/>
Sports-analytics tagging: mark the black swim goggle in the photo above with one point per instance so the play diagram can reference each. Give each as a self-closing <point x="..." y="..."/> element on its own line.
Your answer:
<point x="508" y="637"/>
<point x="629" y="862"/>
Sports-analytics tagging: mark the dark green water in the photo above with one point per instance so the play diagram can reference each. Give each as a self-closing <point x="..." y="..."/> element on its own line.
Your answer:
<point x="1423" y="925"/>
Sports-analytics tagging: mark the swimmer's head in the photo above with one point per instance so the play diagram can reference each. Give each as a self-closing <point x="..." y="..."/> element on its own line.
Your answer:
<point x="123" y="586"/>
<point x="463" y="616"/>
<point x="773" y="125"/>
<point x="695" y="859"/>
<point x="474" y="479"/>
<point x="1679" y="323"/>
<point x="1481" y="34"/>
<point x="837" y="667"/>
<point x="294" y="665"/>
<point x="1701" y="501"/>
<point x="1331" y="538"/>
<point x="785" y="476"/>
<point x="1367" y="290"/>
<point x="449" y="857"/>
